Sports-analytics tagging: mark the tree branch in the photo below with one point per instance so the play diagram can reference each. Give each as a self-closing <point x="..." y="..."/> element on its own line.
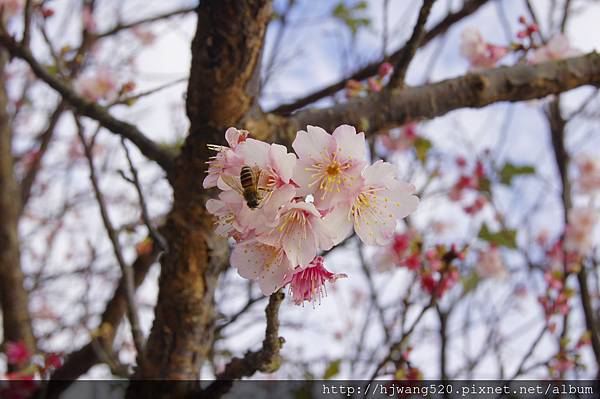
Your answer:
<point x="87" y="108"/>
<point x="474" y="90"/>
<point x="369" y="70"/>
<point x="14" y="299"/>
<point x="121" y="26"/>
<point x="152" y="230"/>
<point x="44" y="138"/>
<point x="410" y="48"/>
<point x="266" y="360"/>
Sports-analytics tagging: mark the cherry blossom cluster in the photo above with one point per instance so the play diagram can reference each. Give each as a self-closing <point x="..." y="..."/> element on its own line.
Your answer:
<point x="482" y="54"/>
<point x="436" y="267"/>
<point x="354" y="88"/>
<point x="25" y="368"/>
<point x="475" y="181"/>
<point x="308" y="202"/>
<point x="555" y="300"/>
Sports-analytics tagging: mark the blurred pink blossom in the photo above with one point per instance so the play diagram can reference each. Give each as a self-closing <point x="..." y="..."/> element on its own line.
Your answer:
<point x="101" y="86"/>
<point x="478" y="52"/>
<point x="490" y="264"/>
<point x="558" y="47"/>
<point x="588" y="180"/>
<point x="17" y="353"/>
<point x="578" y="234"/>
<point x="10" y="8"/>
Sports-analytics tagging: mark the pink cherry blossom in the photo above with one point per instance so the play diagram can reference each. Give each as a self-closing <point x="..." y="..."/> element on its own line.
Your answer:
<point x="309" y="284"/>
<point x="578" y="235"/>
<point x="101" y="86"/>
<point x="558" y="47"/>
<point x="588" y="180"/>
<point x="237" y="220"/>
<point x="490" y="264"/>
<point x="10" y="8"/>
<point x="275" y="163"/>
<point x="478" y="52"/>
<point x="377" y="203"/>
<point x="301" y="232"/>
<point x="227" y="160"/>
<point x="329" y="165"/>
<point x="264" y="263"/>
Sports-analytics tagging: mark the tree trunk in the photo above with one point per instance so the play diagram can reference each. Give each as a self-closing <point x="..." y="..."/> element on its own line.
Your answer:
<point x="221" y="93"/>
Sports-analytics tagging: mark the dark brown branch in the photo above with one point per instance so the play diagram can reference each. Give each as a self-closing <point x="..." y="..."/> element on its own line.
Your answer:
<point x="16" y="319"/>
<point x="474" y="90"/>
<point x="44" y="139"/>
<point x="561" y="156"/>
<point x="152" y="230"/>
<point x="121" y="27"/>
<point x="132" y="311"/>
<point x="410" y="48"/>
<point x="369" y="70"/>
<point x="87" y="108"/>
<point x="266" y="360"/>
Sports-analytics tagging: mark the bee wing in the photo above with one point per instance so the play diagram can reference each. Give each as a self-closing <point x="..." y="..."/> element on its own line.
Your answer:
<point x="233" y="183"/>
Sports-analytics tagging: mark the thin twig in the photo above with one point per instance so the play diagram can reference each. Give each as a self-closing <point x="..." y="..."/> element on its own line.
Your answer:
<point x="410" y="48"/>
<point x="132" y="313"/>
<point x="152" y="230"/>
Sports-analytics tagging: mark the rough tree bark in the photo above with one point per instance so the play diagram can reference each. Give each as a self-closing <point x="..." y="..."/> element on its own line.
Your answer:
<point x="14" y="298"/>
<point x="222" y="91"/>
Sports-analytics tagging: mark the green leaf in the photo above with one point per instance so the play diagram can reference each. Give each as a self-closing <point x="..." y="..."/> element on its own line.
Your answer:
<point x="422" y="147"/>
<point x="52" y="69"/>
<point x="351" y="15"/>
<point x="504" y="238"/>
<point x="510" y="170"/>
<point x="332" y="369"/>
<point x="470" y="282"/>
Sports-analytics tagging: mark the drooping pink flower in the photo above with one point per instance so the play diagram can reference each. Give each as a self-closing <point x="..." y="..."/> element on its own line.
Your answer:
<point x="261" y="262"/>
<point x="301" y="232"/>
<point x="309" y="284"/>
<point x="227" y="159"/>
<point x="588" y="180"/>
<point x="490" y="264"/>
<point x="558" y="47"/>
<point x="329" y="165"/>
<point x="17" y="353"/>
<point x="478" y="52"/>
<point x="379" y="200"/>
<point x="578" y="234"/>
<point x="10" y="8"/>
<point x="101" y="86"/>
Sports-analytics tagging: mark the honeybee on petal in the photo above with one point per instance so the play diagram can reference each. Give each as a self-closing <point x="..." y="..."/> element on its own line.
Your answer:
<point x="247" y="186"/>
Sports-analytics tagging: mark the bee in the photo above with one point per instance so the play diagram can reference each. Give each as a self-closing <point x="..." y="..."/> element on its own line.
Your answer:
<point x="247" y="187"/>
